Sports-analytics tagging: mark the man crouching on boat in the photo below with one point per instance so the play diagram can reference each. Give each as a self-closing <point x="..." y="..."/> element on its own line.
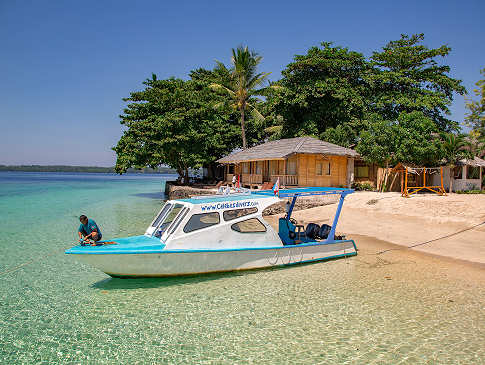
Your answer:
<point x="88" y="231"/>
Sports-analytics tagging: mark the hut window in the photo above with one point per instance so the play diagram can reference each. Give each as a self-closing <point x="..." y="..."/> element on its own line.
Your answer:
<point x="251" y="225"/>
<point x="362" y="171"/>
<point x="229" y="215"/>
<point x="245" y="167"/>
<point x="259" y="166"/>
<point x="319" y="169"/>
<point x="326" y="166"/>
<point x="457" y="171"/>
<point x="273" y="167"/>
<point x="231" y="169"/>
<point x="473" y="172"/>
<point x="291" y="167"/>
<point x="199" y="221"/>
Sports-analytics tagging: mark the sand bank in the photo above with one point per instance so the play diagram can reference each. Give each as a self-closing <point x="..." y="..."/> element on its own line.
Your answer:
<point x="411" y="221"/>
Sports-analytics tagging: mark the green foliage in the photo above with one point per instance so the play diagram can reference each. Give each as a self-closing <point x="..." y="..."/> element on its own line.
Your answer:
<point x="407" y="77"/>
<point x="174" y="122"/>
<point x="412" y="93"/>
<point x="411" y="138"/>
<point x="476" y="143"/>
<point x="455" y="148"/>
<point x="362" y="186"/>
<point x="475" y="116"/>
<point x="321" y="90"/>
<point x="239" y="83"/>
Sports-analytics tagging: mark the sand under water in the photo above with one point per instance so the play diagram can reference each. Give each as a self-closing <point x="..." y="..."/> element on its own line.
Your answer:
<point x="400" y="306"/>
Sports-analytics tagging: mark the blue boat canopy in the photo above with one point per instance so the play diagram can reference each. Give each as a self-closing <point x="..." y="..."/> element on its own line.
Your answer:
<point x="287" y="193"/>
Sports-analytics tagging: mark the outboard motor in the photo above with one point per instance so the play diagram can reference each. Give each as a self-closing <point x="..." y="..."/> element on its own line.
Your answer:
<point x="324" y="231"/>
<point x="312" y="230"/>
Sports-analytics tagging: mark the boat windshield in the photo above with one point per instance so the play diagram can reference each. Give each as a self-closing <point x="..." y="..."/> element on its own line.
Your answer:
<point x="162" y="213"/>
<point x="167" y="218"/>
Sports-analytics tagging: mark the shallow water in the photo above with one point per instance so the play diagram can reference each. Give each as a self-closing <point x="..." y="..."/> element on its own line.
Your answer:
<point x="385" y="309"/>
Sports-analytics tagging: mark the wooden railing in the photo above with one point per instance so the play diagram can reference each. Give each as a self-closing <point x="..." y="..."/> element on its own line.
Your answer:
<point x="248" y="179"/>
<point x="285" y="179"/>
<point x="252" y="179"/>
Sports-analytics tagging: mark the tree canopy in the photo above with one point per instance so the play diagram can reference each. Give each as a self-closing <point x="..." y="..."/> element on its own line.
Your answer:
<point x="407" y="77"/>
<point x="174" y="122"/>
<point x="475" y="117"/>
<point x="391" y="107"/>
<point x="412" y="94"/>
<point x="322" y="89"/>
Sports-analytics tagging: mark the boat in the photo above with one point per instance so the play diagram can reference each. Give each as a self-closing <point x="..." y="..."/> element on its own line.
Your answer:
<point x="217" y="233"/>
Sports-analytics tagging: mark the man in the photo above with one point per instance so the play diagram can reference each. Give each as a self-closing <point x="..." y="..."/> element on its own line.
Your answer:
<point x="88" y="230"/>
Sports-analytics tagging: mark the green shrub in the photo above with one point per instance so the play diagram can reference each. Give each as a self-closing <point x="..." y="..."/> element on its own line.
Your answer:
<point x="362" y="187"/>
<point x="470" y="191"/>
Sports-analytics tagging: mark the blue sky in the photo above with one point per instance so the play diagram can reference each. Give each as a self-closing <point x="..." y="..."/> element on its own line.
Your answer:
<point x="65" y="66"/>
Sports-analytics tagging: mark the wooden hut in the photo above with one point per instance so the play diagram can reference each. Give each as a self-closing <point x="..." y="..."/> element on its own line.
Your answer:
<point x="301" y="161"/>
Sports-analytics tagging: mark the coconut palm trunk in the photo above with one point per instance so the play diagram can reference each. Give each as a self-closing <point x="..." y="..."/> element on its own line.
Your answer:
<point x="243" y="130"/>
<point x="239" y="82"/>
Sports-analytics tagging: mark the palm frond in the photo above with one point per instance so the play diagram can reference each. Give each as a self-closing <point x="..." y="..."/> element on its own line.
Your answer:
<point x="221" y="88"/>
<point x="255" y="113"/>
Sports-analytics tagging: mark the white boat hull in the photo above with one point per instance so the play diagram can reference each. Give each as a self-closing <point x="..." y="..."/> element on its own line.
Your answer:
<point x="189" y="262"/>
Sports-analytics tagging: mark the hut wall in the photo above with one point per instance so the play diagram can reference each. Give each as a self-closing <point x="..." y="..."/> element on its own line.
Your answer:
<point x="365" y="173"/>
<point x="462" y="183"/>
<point x="313" y="170"/>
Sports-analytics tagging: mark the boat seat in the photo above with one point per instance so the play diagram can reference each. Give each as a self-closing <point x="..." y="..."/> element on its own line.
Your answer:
<point x="300" y="231"/>
<point x="324" y="231"/>
<point x="312" y="230"/>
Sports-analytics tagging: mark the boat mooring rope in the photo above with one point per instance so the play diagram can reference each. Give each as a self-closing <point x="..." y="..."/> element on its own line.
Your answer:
<point x="429" y="241"/>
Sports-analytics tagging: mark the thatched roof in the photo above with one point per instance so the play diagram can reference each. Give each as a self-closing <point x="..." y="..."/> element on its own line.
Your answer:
<point x="283" y="148"/>
<point x="475" y="162"/>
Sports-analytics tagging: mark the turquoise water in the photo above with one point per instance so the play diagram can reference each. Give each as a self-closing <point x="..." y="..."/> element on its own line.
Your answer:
<point x="362" y="310"/>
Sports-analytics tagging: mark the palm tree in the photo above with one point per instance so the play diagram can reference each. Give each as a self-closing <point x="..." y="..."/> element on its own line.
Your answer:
<point x="455" y="149"/>
<point x="240" y="82"/>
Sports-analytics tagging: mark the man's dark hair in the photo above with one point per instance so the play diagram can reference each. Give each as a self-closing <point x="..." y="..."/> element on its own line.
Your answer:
<point x="83" y="217"/>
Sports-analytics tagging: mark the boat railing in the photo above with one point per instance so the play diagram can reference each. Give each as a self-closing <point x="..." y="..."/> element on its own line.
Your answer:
<point x="226" y="190"/>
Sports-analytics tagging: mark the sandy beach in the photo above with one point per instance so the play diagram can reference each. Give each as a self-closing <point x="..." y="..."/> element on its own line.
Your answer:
<point x="455" y="224"/>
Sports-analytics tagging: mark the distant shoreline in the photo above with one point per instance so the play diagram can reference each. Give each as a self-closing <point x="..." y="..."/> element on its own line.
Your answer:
<point x="86" y="169"/>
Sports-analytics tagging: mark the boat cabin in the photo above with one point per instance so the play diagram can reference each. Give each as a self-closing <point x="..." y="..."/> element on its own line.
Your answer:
<point x="235" y="220"/>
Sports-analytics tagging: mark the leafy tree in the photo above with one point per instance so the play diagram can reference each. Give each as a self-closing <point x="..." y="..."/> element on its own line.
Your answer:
<point x="475" y="117"/>
<point x="173" y="122"/>
<point x="454" y="149"/>
<point x="476" y="143"/>
<point x="240" y="83"/>
<point x="411" y="138"/>
<point x="407" y="77"/>
<point x="322" y="93"/>
<point x="412" y="94"/>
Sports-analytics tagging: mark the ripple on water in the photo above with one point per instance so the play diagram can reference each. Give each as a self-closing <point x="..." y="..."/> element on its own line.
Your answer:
<point x="387" y="309"/>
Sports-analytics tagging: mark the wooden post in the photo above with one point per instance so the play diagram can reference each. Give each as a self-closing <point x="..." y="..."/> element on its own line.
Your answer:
<point x="402" y="181"/>
<point x="424" y="176"/>
<point x="406" y="182"/>
<point x="284" y="172"/>
<point x="481" y="178"/>
<point x="441" y="173"/>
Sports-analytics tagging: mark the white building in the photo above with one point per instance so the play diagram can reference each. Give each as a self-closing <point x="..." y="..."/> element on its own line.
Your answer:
<point x="469" y="175"/>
